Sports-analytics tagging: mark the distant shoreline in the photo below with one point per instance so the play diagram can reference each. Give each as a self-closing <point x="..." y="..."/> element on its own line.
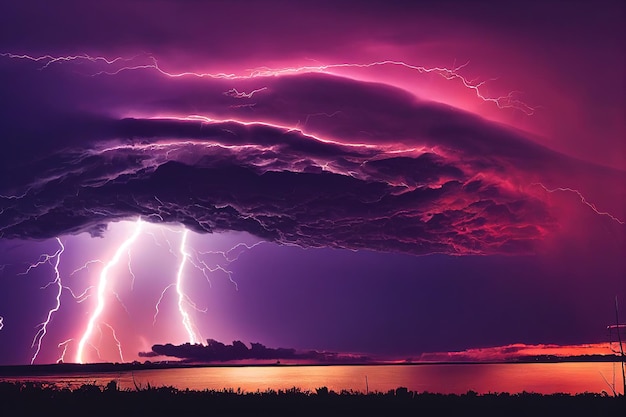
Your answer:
<point x="106" y="367"/>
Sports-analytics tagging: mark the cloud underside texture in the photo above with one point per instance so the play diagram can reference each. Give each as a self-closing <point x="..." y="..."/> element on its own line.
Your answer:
<point x="425" y="178"/>
<point x="215" y="351"/>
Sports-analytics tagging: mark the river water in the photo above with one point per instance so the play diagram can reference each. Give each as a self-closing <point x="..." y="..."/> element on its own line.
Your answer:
<point x="544" y="378"/>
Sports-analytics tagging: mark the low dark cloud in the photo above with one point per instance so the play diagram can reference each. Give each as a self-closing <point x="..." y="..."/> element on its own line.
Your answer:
<point x="215" y="351"/>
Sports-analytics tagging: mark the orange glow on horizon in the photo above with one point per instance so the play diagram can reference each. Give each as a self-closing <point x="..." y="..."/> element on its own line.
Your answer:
<point x="519" y="351"/>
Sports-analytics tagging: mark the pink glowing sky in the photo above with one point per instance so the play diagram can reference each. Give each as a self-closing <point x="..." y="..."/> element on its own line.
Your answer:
<point x="427" y="178"/>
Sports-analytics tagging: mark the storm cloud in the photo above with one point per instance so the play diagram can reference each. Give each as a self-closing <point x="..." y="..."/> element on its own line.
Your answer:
<point x="313" y="160"/>
<point x="376" y="169"/>
<point x="386" y="172"/>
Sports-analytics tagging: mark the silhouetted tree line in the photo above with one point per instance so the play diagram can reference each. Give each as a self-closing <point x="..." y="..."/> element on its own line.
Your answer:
<point x="576" y="358"/>
<point x="30" y="399"/>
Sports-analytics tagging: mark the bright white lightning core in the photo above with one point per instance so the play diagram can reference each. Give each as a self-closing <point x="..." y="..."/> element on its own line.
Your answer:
<point x="185" y="264"/>
<point x="193" y="338"/>
<point x="102" y="286"/>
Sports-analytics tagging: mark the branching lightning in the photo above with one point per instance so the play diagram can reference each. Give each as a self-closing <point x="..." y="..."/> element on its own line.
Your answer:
<point x="502" y="102"/>
<point x="130" y="269"/>
<point x="64" y="345"/>
<point x="82" y="296"/>
<point x="48" y="60"/>
<point x="119" y="300"/>
<point x="190" y="256"/>
<point x="240" y="94"/>
<point x="43" y="259"/>
<point x="86" y="266"/>
<point x="582" y="199"/>
<point x="117" y="341"/>
<point x="187" y="256"/>
<point x="43" y="326"/>
<point x="227" y="257"/>
<point x="227" y="253"/>
<point x="101" y="290"/>
<point x="156" y="307"/>
<point x="95" y="348"/>
<point x="452" y="74"/>
<point x="203" y="267"/>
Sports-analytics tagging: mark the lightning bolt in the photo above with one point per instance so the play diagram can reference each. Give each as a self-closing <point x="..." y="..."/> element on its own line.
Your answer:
<point x="64" y="345"/>
<point x="582" y="199"/>
<point x="187" y="255"/>
<point x="132" y="274"/>
<point x="507" y="101"/>
<point x="102" y="286"/>
<point x="156" y="307"/>
<point x="43" y="326"/>
<point x="237" y="94"/>
<point x="183" y="300"/>
<point x="80" y="297"/>
<point x="86" y="266"/>
<point x="119" y="300"/>
<point x="117" y="341"/>
<point x="181" y="295"/>
<point x="49" y="59"/>
<point x="502" y="102"/>
<point x="308" y="116"/>
<point x="1" y="322"/>
<point x="206" y="270"/>
<point x="43" y="259"/>
<point x="95" y="348"/>
<point x="239" y="245"/>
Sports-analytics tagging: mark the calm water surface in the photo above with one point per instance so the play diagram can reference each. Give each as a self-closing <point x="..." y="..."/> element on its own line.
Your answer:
<point x="450" y="378"/>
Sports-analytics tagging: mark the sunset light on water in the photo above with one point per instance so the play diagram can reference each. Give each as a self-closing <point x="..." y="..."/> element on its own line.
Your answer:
<point x="543" y="378"/>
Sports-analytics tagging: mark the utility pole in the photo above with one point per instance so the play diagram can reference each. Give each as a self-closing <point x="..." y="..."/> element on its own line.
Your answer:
<point x="621" y="347"/>
<point x="618" y="328"/>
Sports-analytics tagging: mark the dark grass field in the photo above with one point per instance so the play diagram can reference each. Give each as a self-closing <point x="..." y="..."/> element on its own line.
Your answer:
<point x="30" y="399"/>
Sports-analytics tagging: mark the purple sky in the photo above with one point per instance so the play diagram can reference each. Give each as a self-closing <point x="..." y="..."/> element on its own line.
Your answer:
<point x="438" y="177"/>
